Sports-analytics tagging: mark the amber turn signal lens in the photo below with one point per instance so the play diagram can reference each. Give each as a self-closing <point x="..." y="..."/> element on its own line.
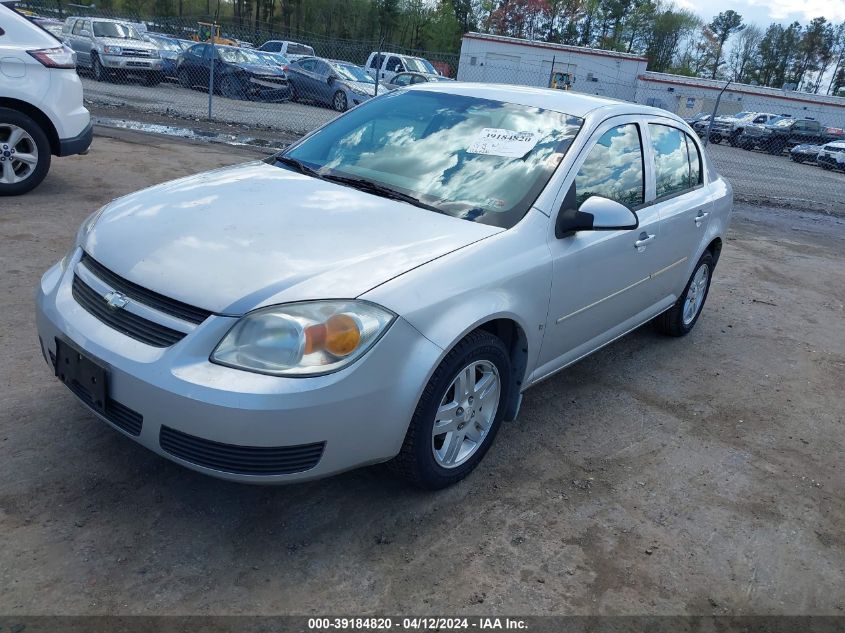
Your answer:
<point x="342" y="335"/>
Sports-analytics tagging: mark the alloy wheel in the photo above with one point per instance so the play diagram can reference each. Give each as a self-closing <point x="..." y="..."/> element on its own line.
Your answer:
<point x="695" y="294"/>
<point x="466" y="413"/>
<point x="18" y="154"/>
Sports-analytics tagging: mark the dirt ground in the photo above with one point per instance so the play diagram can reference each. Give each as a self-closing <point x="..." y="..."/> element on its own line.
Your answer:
<point x="693" y="476"/>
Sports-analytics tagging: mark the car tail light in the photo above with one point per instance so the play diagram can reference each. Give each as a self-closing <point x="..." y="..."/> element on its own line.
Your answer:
<point x="59" y="57"/>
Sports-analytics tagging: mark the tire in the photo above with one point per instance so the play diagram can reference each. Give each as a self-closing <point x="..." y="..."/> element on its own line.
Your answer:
<point x="152" y="79"/>
<point x="423" y="455"/>
<point x="825" y="166"/>
<point x="675" y="321"/>
<point x="184" y="78"/>
<point x="97" y="70"/>
<point x="28" y="139"/>
<point x="339" y="101"/>
<point x="229" y="90"/>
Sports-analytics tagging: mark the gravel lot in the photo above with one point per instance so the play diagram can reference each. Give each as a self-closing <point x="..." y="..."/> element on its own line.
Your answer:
<point x="659" y="476"/>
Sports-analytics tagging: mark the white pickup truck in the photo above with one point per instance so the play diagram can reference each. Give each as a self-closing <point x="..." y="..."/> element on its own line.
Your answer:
<point x="383" y="66"/>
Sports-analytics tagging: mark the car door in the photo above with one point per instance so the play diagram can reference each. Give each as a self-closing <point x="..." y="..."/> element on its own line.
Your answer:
<point x="81" y="42"/>
<point x="194" y="66"/>
<point x="305" y="80"/>
<point x="323" y="89"/>
<point x="601" y="284"/>
<point x="392" y="66"/>
<point x="683" y="202"/>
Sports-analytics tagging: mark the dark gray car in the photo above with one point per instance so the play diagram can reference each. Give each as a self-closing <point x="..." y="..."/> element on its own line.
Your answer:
<point x="338" y="84"/>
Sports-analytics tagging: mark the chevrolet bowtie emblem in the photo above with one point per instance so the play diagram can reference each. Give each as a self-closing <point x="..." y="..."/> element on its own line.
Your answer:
<point x="116" y="300"/>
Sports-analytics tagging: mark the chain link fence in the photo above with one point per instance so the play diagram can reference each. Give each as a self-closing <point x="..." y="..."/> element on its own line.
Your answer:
<point x="775" y="147"/>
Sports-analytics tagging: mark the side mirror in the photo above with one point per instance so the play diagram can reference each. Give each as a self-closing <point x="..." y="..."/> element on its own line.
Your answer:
<point x="594" y="214"/>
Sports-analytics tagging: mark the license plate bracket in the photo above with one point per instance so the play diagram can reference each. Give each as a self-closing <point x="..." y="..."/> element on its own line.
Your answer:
<point x="83" y="376"/>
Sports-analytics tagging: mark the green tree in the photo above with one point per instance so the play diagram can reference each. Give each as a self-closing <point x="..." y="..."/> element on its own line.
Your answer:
<point x="723" y="26"/>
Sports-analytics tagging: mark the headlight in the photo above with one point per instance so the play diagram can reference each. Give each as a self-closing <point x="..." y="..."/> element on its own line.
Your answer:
<point x="302" y="339"/>
<point x="112" y="50"/>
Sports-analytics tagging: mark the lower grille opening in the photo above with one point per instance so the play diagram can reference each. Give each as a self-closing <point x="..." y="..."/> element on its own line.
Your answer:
<point x="118" y="414"/>
<point x="241" y="460"/>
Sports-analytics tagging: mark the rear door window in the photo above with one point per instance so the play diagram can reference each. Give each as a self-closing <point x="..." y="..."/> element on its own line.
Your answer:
<point x="671" y="160"/>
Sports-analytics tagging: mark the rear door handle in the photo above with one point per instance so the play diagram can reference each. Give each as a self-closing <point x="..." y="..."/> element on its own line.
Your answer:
<point x="641" y="243"/>
<point x="700" y="217"/>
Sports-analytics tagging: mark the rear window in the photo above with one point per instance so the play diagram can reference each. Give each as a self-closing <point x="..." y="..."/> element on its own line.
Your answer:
<point x="299" y="49"/>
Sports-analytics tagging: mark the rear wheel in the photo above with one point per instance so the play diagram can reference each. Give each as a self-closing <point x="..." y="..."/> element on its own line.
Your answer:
<point x="24" y="153"/>
<point x="458" y="414"/>
<point x="682" y="317"/>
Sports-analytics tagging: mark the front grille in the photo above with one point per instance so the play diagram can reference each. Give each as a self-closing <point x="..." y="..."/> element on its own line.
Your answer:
<point x="159" y="302"/>
<point x="118" y="414"/>
<point x="136" y="52"/>
<point x="123" y="321"/>
<point x="241" y="460"/>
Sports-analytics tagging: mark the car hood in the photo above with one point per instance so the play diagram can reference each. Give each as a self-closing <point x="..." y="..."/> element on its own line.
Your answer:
<point x="124" y="43"/>
<point x="261" y="70"/>
<point x="360" y="86"/>
<point x="242" y="237"/>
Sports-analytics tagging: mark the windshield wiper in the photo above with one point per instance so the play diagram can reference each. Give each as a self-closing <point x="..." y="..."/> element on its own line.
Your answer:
<point x="379" y="190"/>
<point x="302" y="167"/>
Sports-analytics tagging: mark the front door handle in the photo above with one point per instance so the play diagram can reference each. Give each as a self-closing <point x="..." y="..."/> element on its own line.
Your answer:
<point x="641" y="243"/>
<point x="700" y="217"/>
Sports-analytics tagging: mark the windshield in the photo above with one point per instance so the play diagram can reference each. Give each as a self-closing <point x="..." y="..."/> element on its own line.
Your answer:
<point x="475" y="159"/>
<point x="299" y="49"/>
<point x="419" y="65"/>
<point x="116" y="30"/>
<point x="351" y="72"/>
<point x="238" y="55"/>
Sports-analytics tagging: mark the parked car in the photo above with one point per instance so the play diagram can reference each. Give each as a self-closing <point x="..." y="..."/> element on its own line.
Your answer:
<point x="383" y="66"/>
<point x="400" y="80"/>
<point x="832" y="156"/>
<point x="338" y="84"/>
<point x="239" y="73"/>
<point x="400" y="276"/>
<point x="786" y="133"/>
<point x="730" y="128"/>
<point x="699" y="123"/>
<point x="806" y="153"/>
<point x="291" y="50"/>
<point x="43" y="116"/>
<point x="113" y="48"/>
<point x="168" y="49"/>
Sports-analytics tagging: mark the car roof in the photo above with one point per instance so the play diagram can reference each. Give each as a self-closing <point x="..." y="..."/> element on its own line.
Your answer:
<point x="573" y="103"/>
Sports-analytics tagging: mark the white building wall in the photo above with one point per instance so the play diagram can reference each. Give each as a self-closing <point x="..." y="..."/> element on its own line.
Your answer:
<point x="494" y="59"/>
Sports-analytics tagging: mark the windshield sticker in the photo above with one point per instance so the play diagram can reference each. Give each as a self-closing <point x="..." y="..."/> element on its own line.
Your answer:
<point x="498" y="142"/>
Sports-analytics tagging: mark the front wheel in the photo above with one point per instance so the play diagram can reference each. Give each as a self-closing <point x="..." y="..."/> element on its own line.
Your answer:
<point x="682" y="317"/>
<point x="97" y="70"/>
<point x="458" y="415"/>
<point x="339" y="101"/>
<point x="24" y="153"/>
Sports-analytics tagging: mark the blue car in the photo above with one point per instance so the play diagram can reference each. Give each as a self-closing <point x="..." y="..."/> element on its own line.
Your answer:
<point x="168" y="49"/>
<point x="239" y="73"/>
<point x="330" y="82"/>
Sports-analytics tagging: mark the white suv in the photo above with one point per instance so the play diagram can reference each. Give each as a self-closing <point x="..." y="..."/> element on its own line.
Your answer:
<point x="41" y="111"/>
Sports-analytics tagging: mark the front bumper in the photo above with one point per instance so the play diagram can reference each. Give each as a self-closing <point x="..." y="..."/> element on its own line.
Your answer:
<point x="359" y="415"/>
<point x="78" y="144"/>
<point x="835" y="160"/>
<point x="132" y="64"/>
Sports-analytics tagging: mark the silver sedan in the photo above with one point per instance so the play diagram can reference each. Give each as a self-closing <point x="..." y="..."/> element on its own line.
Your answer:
<point x="387" y="288"/>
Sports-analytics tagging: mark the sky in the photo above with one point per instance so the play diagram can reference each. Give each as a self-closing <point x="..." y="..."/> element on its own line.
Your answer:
<point x="764" y="12"/>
